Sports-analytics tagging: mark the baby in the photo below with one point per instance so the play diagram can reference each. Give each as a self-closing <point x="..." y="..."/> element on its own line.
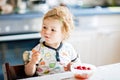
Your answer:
<point x="53" y="54"/>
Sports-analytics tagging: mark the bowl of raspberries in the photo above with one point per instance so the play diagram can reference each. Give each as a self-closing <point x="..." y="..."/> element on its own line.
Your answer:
<point x="82" y="70"/>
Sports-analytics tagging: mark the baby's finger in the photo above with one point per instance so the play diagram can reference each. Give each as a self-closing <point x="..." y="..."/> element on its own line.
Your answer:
<point x="35" y="51"/>
<point x="35" y="54"/>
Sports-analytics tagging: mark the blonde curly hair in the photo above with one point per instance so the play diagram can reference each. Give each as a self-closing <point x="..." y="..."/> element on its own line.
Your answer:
<point x="63" y="14"/>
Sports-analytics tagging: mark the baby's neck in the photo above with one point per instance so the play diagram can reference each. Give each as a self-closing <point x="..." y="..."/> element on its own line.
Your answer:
<point x="55" y="45"/>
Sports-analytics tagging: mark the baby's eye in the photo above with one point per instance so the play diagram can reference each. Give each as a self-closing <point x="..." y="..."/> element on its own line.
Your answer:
<point x="53" y="30"/>
<point x="44" y="27"/>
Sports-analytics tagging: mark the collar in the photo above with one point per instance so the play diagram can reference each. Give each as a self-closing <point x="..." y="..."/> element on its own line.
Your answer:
<point x="56" y="50"/>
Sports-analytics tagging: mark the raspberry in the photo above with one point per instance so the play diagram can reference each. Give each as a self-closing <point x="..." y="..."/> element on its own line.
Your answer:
<point x="78" y="67"/>
<point x="83" y="68"/>
<point x="88" y="68"/>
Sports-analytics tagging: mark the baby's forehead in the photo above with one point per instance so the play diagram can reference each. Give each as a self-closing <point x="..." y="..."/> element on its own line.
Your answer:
<point x="53" y="23"/>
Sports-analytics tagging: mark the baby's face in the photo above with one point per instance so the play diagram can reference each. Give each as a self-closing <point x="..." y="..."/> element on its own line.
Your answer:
<point x="52" y="31"/>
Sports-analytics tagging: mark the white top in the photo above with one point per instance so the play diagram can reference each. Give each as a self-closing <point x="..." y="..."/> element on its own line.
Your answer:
<point x="54" y="60"/>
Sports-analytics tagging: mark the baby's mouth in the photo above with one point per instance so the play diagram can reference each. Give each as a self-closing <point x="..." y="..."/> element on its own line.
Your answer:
<point x="46" y="37"/>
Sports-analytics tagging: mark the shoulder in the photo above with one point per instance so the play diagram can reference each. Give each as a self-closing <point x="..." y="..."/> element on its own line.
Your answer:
<point x="67" y="45"/>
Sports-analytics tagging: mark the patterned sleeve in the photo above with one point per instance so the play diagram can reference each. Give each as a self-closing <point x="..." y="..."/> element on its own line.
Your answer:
<point x="74" y="56"/>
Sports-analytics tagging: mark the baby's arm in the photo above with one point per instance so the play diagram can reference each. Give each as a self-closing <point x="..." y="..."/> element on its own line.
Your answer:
<point x="75" y="57"/>
<point x="30" y="67"/>
<point x="67" y="68"/>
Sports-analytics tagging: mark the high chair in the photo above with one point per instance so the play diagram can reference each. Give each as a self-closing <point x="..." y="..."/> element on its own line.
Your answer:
<point x="13" y="72"/>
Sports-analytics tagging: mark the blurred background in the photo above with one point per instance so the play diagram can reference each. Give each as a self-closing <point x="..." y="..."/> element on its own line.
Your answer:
<point x="96" y="36"/>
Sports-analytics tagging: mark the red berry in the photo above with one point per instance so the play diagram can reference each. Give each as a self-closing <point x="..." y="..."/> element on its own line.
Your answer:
<point x="83" y="68"/>
<point x="88" y="68"/>
<point x="79" y="67"/>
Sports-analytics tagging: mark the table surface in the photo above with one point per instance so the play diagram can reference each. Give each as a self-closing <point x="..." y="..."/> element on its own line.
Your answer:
<point x="106" y="72"/>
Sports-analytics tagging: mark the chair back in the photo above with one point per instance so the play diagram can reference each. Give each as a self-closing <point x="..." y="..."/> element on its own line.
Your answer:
<point x="13" y="72"/>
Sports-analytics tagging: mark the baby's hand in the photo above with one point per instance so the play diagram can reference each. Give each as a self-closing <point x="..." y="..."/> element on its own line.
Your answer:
<point x="67" y="68"/>
<point x="35" y="56"/>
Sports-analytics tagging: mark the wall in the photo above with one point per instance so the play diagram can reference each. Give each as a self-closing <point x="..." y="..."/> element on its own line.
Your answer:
<point x="97" y="39"/>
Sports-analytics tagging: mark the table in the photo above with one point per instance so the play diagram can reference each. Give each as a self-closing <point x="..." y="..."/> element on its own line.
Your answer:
<point x="106" y="72"/>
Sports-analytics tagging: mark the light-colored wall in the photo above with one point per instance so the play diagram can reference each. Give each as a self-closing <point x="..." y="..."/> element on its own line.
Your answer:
<point x="98" y="40"/>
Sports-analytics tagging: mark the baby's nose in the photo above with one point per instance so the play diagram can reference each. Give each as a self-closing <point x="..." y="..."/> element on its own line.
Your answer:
<point x="47" y="31"/>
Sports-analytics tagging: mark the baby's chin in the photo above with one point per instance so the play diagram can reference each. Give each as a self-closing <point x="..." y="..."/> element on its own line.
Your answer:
<point x="49" y="40"/>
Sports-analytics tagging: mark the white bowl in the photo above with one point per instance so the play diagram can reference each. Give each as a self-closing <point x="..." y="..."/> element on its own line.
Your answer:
<point x="82" y="70"/>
